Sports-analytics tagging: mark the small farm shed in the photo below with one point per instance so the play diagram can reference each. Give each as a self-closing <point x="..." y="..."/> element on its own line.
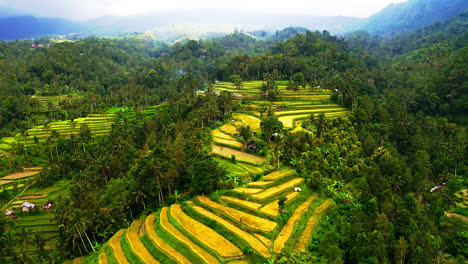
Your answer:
<point x="26" y="206"/>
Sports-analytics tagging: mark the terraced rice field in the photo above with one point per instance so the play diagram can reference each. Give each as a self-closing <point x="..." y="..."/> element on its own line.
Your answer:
<point x="215" y="232"/>
<point x="287" y="230"/>
<point x="160" y="243"/>
<point x="277" y="189"/>
<point x="291" y="120"/>
<point x="118" y="252"/>
<point x="250" y="168"/>
<point x="277" y="174"/>
<point x="245" y="203"/>
<point x="99" y="125"/>
<point x="251" y="240"/>
<point x="164" y="220"/>
<point x="231" y="167"/>
<point x="249" y="120"/>
<point x="247" y="190"/>
<point x="305" y="236"/>
<point x="218" y="134"/>
<point x="208" y="243"/>
<point x="206" y="235"/>
<point x="229" y="129"/>
<point x="240" y="156"/>
<point x="260" y="183"/>
<point x="228" y="143"/>
<point x="103" y="258"/>
<point x="273" y="207"/>
<point x="254" y="222"/>
<point x="137" y="246"/>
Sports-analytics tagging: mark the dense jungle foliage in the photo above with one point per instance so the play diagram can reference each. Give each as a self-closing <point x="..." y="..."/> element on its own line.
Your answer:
<point x="405" y="135"/>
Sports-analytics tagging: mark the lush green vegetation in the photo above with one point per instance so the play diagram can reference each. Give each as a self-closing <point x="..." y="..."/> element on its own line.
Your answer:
<point x="122" y="128"/>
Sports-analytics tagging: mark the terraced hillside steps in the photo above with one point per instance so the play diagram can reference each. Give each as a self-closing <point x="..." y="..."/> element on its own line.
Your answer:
<point x="260" y="183"/>
<point x="252" y="221"/>
<point x="167" y="226"/>
<point x="277" y="189"/>
<point x="160" y="243"/>
<point x="277" y="174"/>
<point x="247" y="190"/>
<point x="240" y="156"/>
<point x="273" y="207"/>
<point x="285" y="233"/>
<point x="137" y="246"/>
<point x="103" y="259"/>
<point x="251" y="240"/>
<point x="241" y="202"/>
<point x="205" y="235"/>
<point x="249" y="120"/>
<point x="305" y="235"/>
<point x="117" y="248"/>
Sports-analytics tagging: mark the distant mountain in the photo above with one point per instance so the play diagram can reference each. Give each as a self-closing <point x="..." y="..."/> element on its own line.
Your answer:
<point x="24" y="27"/>
<point x="412" y="15"/>
<point x="222" y="21"/>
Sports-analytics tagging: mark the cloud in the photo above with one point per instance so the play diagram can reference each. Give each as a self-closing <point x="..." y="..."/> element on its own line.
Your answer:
<point x="88" y="9"/>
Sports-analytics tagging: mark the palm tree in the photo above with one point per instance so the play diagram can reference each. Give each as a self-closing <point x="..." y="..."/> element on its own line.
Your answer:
<point x="55" y="135"/>
<point x="46" y="127"/>
<point x="73" y="124"/>
<point x="177" y="196"/>
<point x="25" y="135"/>
<point x="320" y="124"/>
<point x="25" y="235"/>
<point x="140" y="197"/>
<point x="39" y="242"/>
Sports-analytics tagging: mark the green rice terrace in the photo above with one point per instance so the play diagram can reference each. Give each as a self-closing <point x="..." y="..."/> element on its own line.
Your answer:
<point x="98" y="124"/>
<point x="240" y="225"/>
<point x="243" y="225"/>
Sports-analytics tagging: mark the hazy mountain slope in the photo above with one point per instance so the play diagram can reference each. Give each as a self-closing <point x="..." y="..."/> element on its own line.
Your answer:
<point x="412" y="15"/>
<point x="23" y="27"/>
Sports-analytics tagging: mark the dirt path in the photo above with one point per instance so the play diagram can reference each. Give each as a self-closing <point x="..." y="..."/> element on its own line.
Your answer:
<point x="19" y="175"/>
<point x="457" y="216"/>
<point x="33" y="196"/>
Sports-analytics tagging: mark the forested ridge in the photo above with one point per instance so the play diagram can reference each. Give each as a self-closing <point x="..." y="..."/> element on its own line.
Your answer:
<point x="159" y="106"/>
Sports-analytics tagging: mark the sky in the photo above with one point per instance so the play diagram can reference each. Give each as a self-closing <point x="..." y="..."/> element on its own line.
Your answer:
<point x="82" y="10"/>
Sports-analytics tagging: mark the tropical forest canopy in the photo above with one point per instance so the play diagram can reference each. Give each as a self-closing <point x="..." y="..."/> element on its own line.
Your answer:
<point x="124" y="126"/>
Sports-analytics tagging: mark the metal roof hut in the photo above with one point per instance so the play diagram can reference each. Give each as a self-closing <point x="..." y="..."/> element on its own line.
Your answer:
<point x="27" y="206"/>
